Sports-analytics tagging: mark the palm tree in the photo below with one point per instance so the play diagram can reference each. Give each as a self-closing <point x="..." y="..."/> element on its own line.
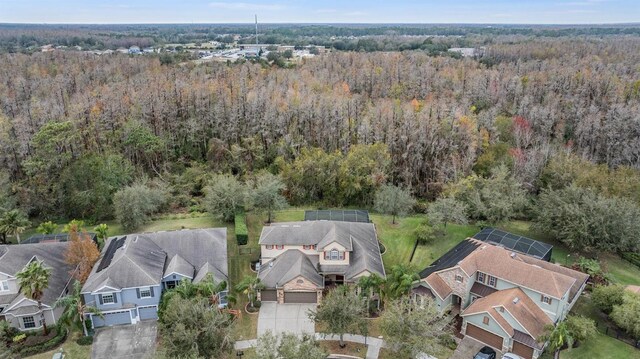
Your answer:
<point x="47" y="227"/>
<point x="371" y="285"/>
<point x="399" y="281"/>
<point x="13" y="223"/>
<point x="102" y="230"/>
<point x="34" y="280"/>
<point x="250" y="286"/>
<point x="558" y="336"/>
<point x="74" y="309"/>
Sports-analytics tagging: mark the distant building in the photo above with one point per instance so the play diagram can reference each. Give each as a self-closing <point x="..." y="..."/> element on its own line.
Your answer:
<point x="134" y="50"/>
<point x="467" y="51"/>
<point x="47" y="48"/>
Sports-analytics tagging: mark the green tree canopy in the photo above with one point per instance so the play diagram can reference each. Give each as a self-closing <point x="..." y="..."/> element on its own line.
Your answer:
<point x="225" y="196"/>
<point x="47" y="227"/>
<point x="191" y="328"/>
<point x="410" y="329"/>
<point x="265" y="193"/>
<point x="135" y="203"/>
<point x="495" y="199"/>
<point x="627" y="314"/>
<point x="75" y="309"/>
<point x="400" y="280"/>
<point x="447" y="210"/>
<point x="341" y="311"/>
<point x="13" y="223"/>
<point x="581" y="218"/>
<point x="394" y="201"/>
<point x="607" y="297"/>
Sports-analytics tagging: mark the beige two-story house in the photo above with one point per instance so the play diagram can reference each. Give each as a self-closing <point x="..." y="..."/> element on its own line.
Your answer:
<point x="300" y="259"/>
<point x="505" y="298"/>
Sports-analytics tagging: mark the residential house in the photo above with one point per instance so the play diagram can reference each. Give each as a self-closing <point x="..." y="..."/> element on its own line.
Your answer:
<point x="300" y="259"/>
<point x="133" y="270"/>
<point x="15" y="308"/>
<point x="505" y="298"/>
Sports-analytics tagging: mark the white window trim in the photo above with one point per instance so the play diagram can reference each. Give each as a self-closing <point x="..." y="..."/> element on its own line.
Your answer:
<point x="113" y="301"/>
<point x="145" y="292"/>
<point x="25" y="324"/>
<point x="4" y="286"/>
<point x="459" y="278"/>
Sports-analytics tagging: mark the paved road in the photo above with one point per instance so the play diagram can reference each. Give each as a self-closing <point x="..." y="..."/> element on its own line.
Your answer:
<point x="125" y="341"/>
<point x="290" y="318"/>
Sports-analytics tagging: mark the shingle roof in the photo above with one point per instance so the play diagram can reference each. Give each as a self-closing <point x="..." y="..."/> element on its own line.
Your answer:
<point x="15" y="257"/>
<point x="358" y="238"/>
<point x="438" y="285"/>
<point x="179" y="265"/>
<point x="145" y="258"/>
<point x="518" y="305"/>
<point x="289" y="265"/>
<point x="521" y="270"/>
<point x="320" y="233"/>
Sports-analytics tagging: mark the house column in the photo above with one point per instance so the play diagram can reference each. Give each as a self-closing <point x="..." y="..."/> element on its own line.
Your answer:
<point x="280" y="295"/>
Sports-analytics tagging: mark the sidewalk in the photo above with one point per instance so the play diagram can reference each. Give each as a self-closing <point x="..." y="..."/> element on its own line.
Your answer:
<point x="373" y="344"/>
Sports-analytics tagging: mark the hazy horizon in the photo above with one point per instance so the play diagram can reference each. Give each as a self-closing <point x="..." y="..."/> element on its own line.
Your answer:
<point x="468" y="12"/>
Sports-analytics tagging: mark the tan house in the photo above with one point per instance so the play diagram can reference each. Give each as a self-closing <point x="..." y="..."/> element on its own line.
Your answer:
<point x="505" y="298"/>
<point x="300" y="259"/>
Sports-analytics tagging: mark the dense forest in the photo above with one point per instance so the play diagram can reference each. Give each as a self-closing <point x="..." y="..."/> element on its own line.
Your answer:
<point x="546" y="113"/>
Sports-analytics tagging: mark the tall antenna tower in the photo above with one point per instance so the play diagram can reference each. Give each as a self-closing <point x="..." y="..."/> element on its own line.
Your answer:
<point x="256" y="29"/>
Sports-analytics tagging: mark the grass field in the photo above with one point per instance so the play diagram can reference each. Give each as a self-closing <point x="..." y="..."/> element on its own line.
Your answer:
<point x="71" y="349"/>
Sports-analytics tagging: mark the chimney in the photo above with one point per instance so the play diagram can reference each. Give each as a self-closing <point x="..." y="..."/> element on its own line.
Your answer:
<point x="516" y="300"/>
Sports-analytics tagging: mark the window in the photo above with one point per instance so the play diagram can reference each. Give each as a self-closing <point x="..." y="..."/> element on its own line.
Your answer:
<point x="334" y="255"/>
<point x="107" y="299"/>
<point x="485" y="320"/>
<point x="545" y="299"/>
<point x="269" y="246"/>
<point x="492" y="281"/>
<point x="473" y="298"/>
<point x="458" y="278"/>
<point x="309" y="247"/>
<point x="480" y="277"/>
<point x="4" y="286"/>
<point x="145" y="292"/>
<point x="279" y="246"/>
<point x="28" y="322"/>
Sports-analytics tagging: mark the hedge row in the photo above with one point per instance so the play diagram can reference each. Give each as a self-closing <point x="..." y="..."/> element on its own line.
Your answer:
<point x="632" y="257"/>
<point x="24" y="351"/>
<point x="242" y="233"/>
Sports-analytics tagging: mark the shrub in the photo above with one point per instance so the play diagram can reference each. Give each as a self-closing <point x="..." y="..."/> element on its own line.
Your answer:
<point x="88" y="340"/>
<point x="25" y="351"/>
<point x="20" y="337"/>
<point x="425" y="234"/>
<point x="242" y="233"/>
<point x="606" y="297"/>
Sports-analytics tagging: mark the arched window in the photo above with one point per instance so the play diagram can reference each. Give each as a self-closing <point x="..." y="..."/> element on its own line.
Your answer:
<point x="335" y="255"/>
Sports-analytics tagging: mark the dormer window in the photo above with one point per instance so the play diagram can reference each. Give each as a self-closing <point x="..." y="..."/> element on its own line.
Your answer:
<point x="458" y="278"/>
<point x="107" y="298"/>
<point x="4" y="286"/>
<point x="480" y="277"/>
<point x="269" y="246"/>
<point x="334" y="255"/>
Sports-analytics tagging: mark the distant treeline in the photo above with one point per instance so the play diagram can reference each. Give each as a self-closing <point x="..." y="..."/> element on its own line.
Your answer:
<point x="22" y="38"/>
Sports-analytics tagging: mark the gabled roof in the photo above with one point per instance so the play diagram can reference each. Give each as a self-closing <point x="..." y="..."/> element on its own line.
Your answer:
<point x="179" y="265"/>
<point x="13" y="258"/>
<point x="320" y="233"/>
<point x="518" y="305"/>
<point x="438" y="284"/>
<point x="365" y="257"/>
<point x="139" y="260"/>
<point x="522" y="270"/>
<point x="209" y="268"/>
<point x="288" y="266"/>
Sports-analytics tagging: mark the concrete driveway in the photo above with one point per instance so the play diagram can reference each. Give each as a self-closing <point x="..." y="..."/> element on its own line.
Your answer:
<point x="125" y="341"/>
<point x="468" y="347"/>
<point x="290" y="318"/>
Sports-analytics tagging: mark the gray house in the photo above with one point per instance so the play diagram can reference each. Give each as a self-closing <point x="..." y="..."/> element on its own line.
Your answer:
<point x="15" y="308"/>
<point x="127" y="281"/>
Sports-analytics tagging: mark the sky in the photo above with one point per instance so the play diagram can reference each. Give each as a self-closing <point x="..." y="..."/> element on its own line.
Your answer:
<point x="332" y="11"/>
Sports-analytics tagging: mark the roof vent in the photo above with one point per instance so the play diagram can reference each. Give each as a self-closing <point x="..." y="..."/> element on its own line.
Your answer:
<point x="483" y="247"/>
<point x="135" y="239"/>
<point x="270" y="264"/>
<point x="516" y="300"/>
<point x="513" y="254"/>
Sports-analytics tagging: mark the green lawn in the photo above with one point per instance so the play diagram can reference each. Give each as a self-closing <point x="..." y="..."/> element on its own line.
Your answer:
<point x="71" y="349"/>
<point x="601" y="347"/>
